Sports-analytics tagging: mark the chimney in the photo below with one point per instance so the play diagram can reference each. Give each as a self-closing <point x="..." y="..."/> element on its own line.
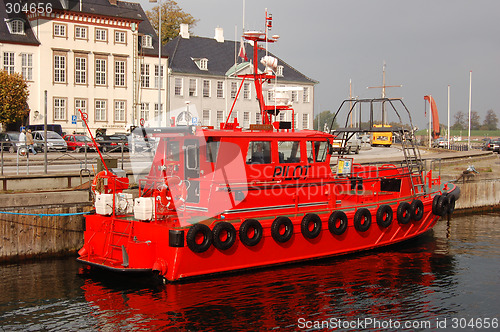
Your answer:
<point x="184" y="31"/>
<point x="113" y="2"/>
<point x="219" y="35"/>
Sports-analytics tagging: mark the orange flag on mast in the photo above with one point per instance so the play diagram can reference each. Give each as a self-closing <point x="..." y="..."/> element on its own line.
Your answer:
<point x="435" y="117"/>
<point x="242" y="53"/>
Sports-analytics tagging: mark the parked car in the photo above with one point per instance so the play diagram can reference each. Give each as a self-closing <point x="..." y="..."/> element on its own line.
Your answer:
<point x="77" y="143"/>
<point x="10" y="141"/>
<point x="54" y="141"/>
<point x="440" y="142"/>
<point x="352" y="145"/>
<point x="113" y="143"/>
<point x="491" y="144"/>
<point x="496" y="145"/>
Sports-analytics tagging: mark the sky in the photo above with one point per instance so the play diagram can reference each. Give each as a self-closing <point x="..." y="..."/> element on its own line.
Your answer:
<point x="426" y="45"/>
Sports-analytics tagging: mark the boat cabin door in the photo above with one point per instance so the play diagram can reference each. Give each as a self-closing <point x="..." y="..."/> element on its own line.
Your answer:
<point x="192" y="169"/>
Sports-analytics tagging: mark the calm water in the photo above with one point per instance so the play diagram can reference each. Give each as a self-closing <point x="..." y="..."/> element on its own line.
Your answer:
<point x="445" y="277"/>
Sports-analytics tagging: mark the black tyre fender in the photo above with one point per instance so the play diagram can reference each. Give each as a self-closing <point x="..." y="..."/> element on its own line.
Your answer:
<point x="279" y="224"/>
<point x="193" y="233"/>
<point x="362" y="220"/>
<point x="435" y="201"/>
<point x="451" y="203"/>
<point x="384" y="216"/>
<point x="404" y="213"/>
<point x="221" y="230"/>
<point x="417" y="210"/>
<point x="442" y="205"/>
<point x="306" y="221"/>
<point x="341" y="227"/>
<point x="256" y="227"/>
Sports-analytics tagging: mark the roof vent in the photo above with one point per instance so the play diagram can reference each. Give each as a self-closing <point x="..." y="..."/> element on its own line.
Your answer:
<point x="219" y="35"/>
<point x="184" y="30"/>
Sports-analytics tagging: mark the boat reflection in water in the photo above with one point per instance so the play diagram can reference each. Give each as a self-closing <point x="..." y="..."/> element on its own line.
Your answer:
<point x="396" y="283"/>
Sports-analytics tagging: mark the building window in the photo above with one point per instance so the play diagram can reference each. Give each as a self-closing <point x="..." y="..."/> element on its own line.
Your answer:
<point x="204" y="64"/>
<point x="295" y="96"/>
<point x="144" y="111"/>
<point x="119" y="72"/>
<point x="158" y="114"/>
<point x="234" y="114"/>
<point x="206" y="118"/>
<point x="206" y="88"/>
<point x="305" y="98"/>
<point x="258" y="118"/>
<point x="234" y="89"/>
<point x="101" y="35"/>
<point x="80" y="32"/>
<point x="16" y="27"/>
<point x="60" y="68"/>
<point x="147" y="41"/>
<point x="59" y="30"/>
<point x="144" y="75"/>
<point x="156" y="77"/>
<point x="178" y="87"/>
<point x="100" y="71"/>
<point x="119" y="110"/>
<point x="220" y="118"/>
<point x="80" y="104"/>
<point x="246" y="91"/>
<point x="100" y="110"/>
<point x="59" y="109"/>
<point x="8" y="62"/>
<point x="279" y="71"/>
<point x="120" y="37"/>
<point x="246" y="119"/>
<point x="282" y="116"/>
<point x="192" y="87"/>
<point x="270" y="96"/>
<point x="305" y="121"/>
<point x="220" y="89"/>
<point x="80" y="70"/>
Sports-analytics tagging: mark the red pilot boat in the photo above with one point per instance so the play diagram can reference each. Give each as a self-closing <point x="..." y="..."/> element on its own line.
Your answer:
<point x="228" y="199"/>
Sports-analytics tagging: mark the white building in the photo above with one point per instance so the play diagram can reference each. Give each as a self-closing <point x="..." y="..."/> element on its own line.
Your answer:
<point x="202" y="79"/>
<point x="100" y="56"/>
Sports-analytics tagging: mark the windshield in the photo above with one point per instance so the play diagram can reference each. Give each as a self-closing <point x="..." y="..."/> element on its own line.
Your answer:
<point x="82" y="139"/>
<point x="14" y="137"/>
<point x="53" y="135"/>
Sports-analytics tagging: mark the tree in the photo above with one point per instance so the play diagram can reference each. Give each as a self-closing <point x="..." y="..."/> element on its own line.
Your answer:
<point x="324" y="117"/>
<point x="475" y="121"/>
<point x="172" y="18"/>
<point x="13" y="97"/>
<point x="460" y="121"/>
<point x="490" y="121"/>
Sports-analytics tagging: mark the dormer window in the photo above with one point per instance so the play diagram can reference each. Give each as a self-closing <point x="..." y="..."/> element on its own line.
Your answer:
<point x="16" y="27"/>
<point x="279" y="71"/>
<point x="147" y="41"/>
<point x="202" y="63"/>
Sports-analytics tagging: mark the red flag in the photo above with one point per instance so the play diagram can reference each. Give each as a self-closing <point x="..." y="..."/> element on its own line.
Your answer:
<point x="242" y="53"/>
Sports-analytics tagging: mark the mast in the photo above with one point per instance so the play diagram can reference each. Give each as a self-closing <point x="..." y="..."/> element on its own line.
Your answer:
<point x="383" y="86"/>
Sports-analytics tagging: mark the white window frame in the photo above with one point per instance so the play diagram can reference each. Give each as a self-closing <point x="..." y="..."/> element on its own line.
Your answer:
<point x="81" y="32"/>
<point x="144" y="75"/>
<point x="144" y="113"/>
<point x="120" y="37"/>
<point x="100" y="109"/>
<point x="204" y="64"/>
<point x="8" y="62"/>
<point x="295" y="96"/>
<point x="120" y="110"/>
<point x="178" y="83"/>
<point x="101" y="35"/>
<point x="158" y="115"/>
<point x="234" y="89"/>
<point x="80" y="73"/>
<point x="246" y="119"/>
<point x="270" y="96"/>
<point x="59" y="109"/>
<point x="16" y="27"/>
<point x="206" y="88"/>
<point x="120" y="70"/>
<point x="220" y="89"/>
<point x="100" y="71"/>
<point x="80" y="104"/>
<point x="206" y="117"/>
<point x="60" y="62"/>
<point x="279" y="71"/>
<point x="305" y="121"/>
<point x="306" y="95"/>
<point x="219" y="118"/>
<point x="147" y="41"/>
<point x="193" y="87"/>
<point x="156" y="77"/>
<point x="60" y="30"/>
<point x="247" y="92"/>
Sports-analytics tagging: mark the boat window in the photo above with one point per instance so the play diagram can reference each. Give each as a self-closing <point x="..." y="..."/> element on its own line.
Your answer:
<point x="212" y="150"/>
<point x="172" y="151"/>
<point x="192" y="157"/>
<point x="259" y="152"/>
<point x="320" y="151"/>
<point x="289" y="151"/>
